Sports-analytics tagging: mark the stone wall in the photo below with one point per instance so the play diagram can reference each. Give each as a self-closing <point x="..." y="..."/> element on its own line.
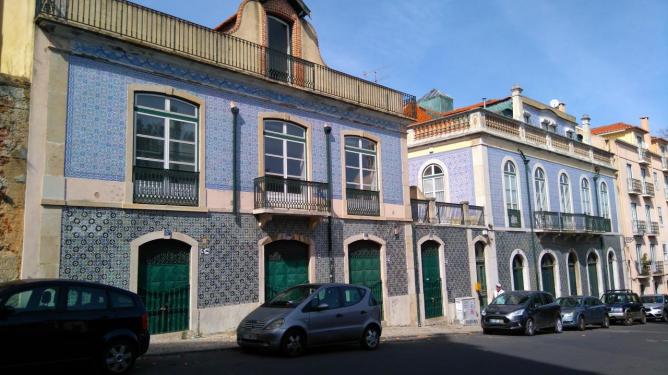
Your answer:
<point x="14" y="99"/>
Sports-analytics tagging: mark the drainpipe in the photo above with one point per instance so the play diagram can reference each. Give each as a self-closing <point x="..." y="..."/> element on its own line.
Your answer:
<point x="417" y="275"/>
<point x="604" y="256"/>
<point x="328" y="139"/>
<point x="533" y="240"/>
<point x="235" y="169"/>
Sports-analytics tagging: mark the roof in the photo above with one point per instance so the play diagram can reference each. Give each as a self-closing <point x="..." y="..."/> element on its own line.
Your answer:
<point x="616" y="127"/>
<point x="486" y="103"/>
<point x="425" y="116"/>
<point x="298" y="5"/>
<point x="433" y="93"/>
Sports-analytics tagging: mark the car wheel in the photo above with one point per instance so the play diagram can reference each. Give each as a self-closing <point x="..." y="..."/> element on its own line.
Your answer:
<point x="643" y="318"/>
<point x="118" y="357"/>
<point x="581" y="324"/>
<point x="293" y="343"/>
<point x="628" y="319"/>
<point x="558" y="325"/>
<point x="665" y="316"/>
<point x="606" y="322"/>
<point x="529" y="328"/>
<point x="371" y="338"/>
<point x="486" y="331"/>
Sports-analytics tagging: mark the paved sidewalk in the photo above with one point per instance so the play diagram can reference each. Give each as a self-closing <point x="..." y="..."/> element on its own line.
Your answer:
<point x="174" y="343"/>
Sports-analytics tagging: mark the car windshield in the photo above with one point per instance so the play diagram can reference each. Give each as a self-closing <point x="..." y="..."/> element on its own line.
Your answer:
<point x="652" y="299"/>
<point x="510" y="298"/>
<point x="615" y="298"/>
<point x="292" y="297"/>
<point x="567" y="302"/>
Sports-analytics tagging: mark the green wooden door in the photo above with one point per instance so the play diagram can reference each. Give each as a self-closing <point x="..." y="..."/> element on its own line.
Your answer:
<point x="547" y="274"/>
<point x="481" y="272"/>
<point x="364" y="267"/>
<point x="164" y="284"/>
<point x="593" y="275"/>
<point x="285" y="265"/>
<point x="518" y="273"/>
<point x="572" y="281"/>
<point x="611" y="271"/>
<point x="431" y="280"/>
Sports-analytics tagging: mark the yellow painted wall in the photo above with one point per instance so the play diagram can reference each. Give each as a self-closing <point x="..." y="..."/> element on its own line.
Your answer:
<point x="16" y="40"/>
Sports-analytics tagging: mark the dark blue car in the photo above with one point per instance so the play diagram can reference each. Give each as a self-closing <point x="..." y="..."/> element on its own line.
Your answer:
<point x="580" y="311"/>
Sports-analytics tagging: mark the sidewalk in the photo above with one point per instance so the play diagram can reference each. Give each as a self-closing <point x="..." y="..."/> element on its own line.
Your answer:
<point x="174" y="343"/>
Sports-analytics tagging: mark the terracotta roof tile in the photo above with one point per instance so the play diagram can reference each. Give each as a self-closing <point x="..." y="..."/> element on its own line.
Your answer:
<point x="616" y="127"/>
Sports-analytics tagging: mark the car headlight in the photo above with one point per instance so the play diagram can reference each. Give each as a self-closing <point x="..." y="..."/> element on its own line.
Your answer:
<point x="274" y="324"/>
<point x="483" y="312"/>
<point x="515" y="314"/>
<point x="568" y="316"/>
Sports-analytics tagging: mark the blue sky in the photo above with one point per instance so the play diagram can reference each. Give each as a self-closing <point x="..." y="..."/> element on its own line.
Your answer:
<point x="606" y="58"/>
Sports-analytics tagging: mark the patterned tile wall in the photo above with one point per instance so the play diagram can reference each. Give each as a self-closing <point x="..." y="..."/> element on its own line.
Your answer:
<point x="459" y="169"/>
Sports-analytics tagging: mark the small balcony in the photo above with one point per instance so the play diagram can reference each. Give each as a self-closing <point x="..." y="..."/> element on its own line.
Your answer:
<point x="639" y="227"/>
<point x="634" y="186"/>
<point x="642" y="269"/>
<point x="514" y="218"/>
<point x="165" y="187"/>
<point x="280" y="195"/>
<point x="455" y="214"/>
<point x="648" y="189"/>
<point x="644" y="156"/>
<point x="363" y="202"/>
<point x="653" y="229"/>
<point x="547" y="221"/>
<point x="657" y="268"/>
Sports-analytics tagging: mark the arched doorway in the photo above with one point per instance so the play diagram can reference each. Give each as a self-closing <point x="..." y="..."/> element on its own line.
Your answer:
<point x="164" y="284"/>
<point x="592" y="271"/>
<point x="518" y="272"/>
<point x="285" y="265"/>
<point x="547" y="273"/>
<point x="364" y="267"/>
<point x="572" y="274"/>
<point x="612" y="270"/>
<point x="481" y="272"/>
<point x="431" y="280"/>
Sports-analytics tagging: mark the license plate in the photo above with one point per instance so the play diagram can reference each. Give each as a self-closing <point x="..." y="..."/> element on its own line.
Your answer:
<point x="496" y="321"/>
<point x="250" y="336"/>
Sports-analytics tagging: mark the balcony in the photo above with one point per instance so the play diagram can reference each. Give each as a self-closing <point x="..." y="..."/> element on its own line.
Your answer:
<point x="363" y="202"/>
<point x="514" y="218"/>
<point x="644" y="157"/>
<point x="454" y="214"/>
<point x="127" y="21"/>
<point x="639" y="227"/>
<point x="648" y="189"/>
<point x="664" y="163"/>
<point x="653" y="229"/>
<point x="547" y="221"/>
<point x="642" y="269"/>
<point x="657" y="268"/>
<point x="634" y="186"/>
<point x="165" y="187"/>
<point x="278" y="195"/>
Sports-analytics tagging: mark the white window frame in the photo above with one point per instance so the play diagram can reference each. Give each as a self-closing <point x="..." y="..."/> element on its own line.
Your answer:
<point x="285" y="138"/>
<point x="605" y="200"/>
<point x="360" y="165"/>
<point x="585" y="196"/>
<point x="540" y="190"/>
<point x="565" y="198"/>
<point x="434" y="177"/>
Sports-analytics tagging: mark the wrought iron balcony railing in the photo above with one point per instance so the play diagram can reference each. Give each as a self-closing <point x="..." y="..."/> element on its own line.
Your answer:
<point x="639" y="227"/>
<point x="658" y="268"/>
<point x="363" y="202"/>
<point x="642" y="268"/>
<point x="644" y="156"/>
<point x="165" y="187"/>
<point x="566" y="222"/>
<point x="429" y="211"/>
<point x="273" y="192"/>
<point x="634" y="186"/>
<point x="648" y="189"/>
<point x="129" y="21"/>
<point x="653" y="229"/>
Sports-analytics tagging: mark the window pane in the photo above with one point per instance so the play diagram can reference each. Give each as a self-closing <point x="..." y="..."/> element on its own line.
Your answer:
<point x="368" y="162"/>
<point x="439" y="183"/>
<point x="184" y="152"/>
<point x="82" y="299"/>
<point x="35" y="299"/>
<point x="120" y="301"/>
<point x="150" y="125"/>
<point x="149" y="163"/>
<point x="352" y="175"/>
<point x="369" y="178"/>
<point x="183" y="131"/>
<point x="273" y="146"/>
<point x="179" y="106"/>
<point x="273" y="126"/>
<point x="182" y="167"/>
<point x="295" y="168"/>
<point x="151" y="101"/>
<point x="352" y="141"/>
<point x="273" y="164"/>
<point x="295" y="130"/>
<point x="368" y="145"/>
<point x="295" y="149"/>
<point x="428" y="185"/>
<point x="150" y="148"/>
<point x="352" y="296"/>
<point x="352" y="159"/>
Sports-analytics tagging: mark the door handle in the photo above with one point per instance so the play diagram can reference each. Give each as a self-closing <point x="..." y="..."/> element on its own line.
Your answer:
<point x="363" y="312"/>
<point x="339" y="315"/>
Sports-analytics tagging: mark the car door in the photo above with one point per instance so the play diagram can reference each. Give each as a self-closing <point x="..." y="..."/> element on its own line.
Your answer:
<point x="636" y="306"/>
<point x="355" y="313"/>
<point x="325" y="316"/>
<point x="549" y="310"/>
<point x="600" y="309"/>
<point x="84" y="318"/>
<point x="587" y="310"/>
<point x="536" y="310"/>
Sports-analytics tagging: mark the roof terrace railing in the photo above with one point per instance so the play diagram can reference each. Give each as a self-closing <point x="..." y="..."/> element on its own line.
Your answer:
<point x="126" y="20"/>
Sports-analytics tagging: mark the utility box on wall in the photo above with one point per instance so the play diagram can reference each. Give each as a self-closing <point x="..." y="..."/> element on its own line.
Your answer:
<point x="466" y="311"/>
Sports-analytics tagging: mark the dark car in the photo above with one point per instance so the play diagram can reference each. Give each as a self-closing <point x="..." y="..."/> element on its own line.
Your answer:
<point x="522" y="311"/>
<point x="53" y="321"/>
<point x="656" y="306"/>
<point x="580" y="311"/>
<point x="625" y="306"/>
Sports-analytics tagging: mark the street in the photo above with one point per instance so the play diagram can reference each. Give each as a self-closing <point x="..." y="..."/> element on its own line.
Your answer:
<point x="618" y="350"/>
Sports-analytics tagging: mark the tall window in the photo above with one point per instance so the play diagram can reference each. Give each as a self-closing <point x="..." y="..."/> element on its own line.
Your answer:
<point x="638" y="252"/>
<point x="585" y="196"/>
<point x="279" y="37"/>
<point x="648" y="213"/>
<point x="361" y="169"/>
<point x="433" y="182"/>
<point x="605" y="201"/>
<point x="660" y="214"/>
<point x="511" y="194"/>
<point x="284" y="150"/>
<point x="165" y="133"/>
<point x="540" y="190"/>
<point x="565" y="194"/>
<point x="652" y="253"/>
<point x="572" y="274"/>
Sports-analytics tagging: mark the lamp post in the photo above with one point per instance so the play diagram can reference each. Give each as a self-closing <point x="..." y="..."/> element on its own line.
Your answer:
<point x="533" y="239"/>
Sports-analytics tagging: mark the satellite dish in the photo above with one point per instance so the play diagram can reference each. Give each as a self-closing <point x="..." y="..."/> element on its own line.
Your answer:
<point x="554" y="103"/>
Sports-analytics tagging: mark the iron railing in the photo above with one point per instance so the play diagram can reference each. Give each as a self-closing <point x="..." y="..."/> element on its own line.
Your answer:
<point x="644" y="155"/>
<point x="566" y="222"/>
<point x="167" y="310"/>
<point x="420" y="210"/>
<point x="642" y="268"/>
<point x="514" y="218"/>
<point x="133" y="22"/>
<point x="648" y="189"/>
<point x="165" y="186"/>
<point x="653" y="228"/>
<point x="639" y="227"/>
<point x="658" y="267"/>
<point x="363" y="202"/>
<point x="287" y="193"/>
<point x="377" y="293"/>
<point x="634" y="186"/>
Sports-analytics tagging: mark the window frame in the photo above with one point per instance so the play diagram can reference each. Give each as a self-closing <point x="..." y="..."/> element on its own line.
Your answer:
<point x="565" y="196"/>
<point x="434" y="177"/>
<point x="585" y="197"/>
<point x="541" y="192"/>
<point x="604" y="200"/>
<point x="285" y="138"/>
<point x="360" y="152"/>
<point x="104" y="291"/>
<point x="58" y="299"/>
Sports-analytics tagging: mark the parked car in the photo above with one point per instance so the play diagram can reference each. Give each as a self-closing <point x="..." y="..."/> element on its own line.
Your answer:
<point x="312" y="315"/>
<point x="580" y="311"/>
<point x="625" y="306"/>
<point x="522" y="311"/>
<point x="656" y="306"/>
<point x="53" y="321"/>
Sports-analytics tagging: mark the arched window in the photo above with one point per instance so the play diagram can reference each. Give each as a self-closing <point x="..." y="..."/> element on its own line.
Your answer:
<point x="605" y="201"/>
<point x="611" y="270"/>
<point x="565" y="194"/>
<point x="585" y="197"/>
<point x="592" y="271"/>
<point x="540" y="190"/>
<point x="518" y="272"/>
<point x="547" y="273"/>
<point x="511" y="194"/>
<point x="572" y="274"/>
<point x="361" y="169"/>
<point x="433" y="182"/>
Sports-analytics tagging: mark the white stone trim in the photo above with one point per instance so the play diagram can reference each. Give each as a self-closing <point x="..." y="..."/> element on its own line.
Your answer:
<point x="547" y="186"/>
<point x="383" y="266"/>
<point x="446" y="176"/>
<point x="491" y="265"/>
<point x="557" y="274"/>
<point x="441" y="270"/>
<point x="615" y="267"/>
<point x="518" y="180"/>
<point x="578" y="270"/>
<point x="526" y="278"/>
<point x="570" y="191"/>
<point x="599" y="272"/>
<point x="264" y="241"/>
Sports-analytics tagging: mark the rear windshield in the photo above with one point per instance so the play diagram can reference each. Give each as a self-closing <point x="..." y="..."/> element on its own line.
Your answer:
<point x="510" y="298"/>
<point x="615" y="298"/>
<point x="292" y="297"/>
<point x="567" y="302"/>
<point x="652" y="299"/>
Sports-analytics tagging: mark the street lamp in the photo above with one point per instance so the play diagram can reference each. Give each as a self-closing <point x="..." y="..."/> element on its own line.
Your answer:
<point x="533" y="240"/>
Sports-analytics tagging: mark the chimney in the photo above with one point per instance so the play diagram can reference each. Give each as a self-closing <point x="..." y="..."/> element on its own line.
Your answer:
<point x="518" y="106"/>
<point x="586" y="129"/>
<point x="644" y="123"/>
<point x="562" y="107"/>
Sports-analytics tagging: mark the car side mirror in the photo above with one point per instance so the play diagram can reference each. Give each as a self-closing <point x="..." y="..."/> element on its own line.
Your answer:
<point x="322" y="306"/>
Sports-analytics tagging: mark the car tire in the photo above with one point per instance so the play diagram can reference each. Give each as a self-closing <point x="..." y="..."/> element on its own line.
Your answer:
<point x="371" y="338"/>
<point x="606" y="322"/>
<point x="529" y="328"/>
<point x="643" y="318"/>
<point x="665" y="316"/>
<point x="558" y="325"/>
<point x="486" y="331"/>
<point x="293" y="343"/>
<point x="628" y="319"/>
<point x="581" y="323"/>
<point x="118" y="356"/>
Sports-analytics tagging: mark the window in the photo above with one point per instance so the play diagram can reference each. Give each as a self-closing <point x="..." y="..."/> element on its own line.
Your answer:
<point x="565" y="194"/>
<point x="433" y="183"/>
<point x="656" y="179"/>
<point x="527" y="117"/>
<point x="652" y="253"/>
<point x="605" y="201"/>
<point x="279" y="38"/>
<point x="361" y="169"/>
<point x="33" y="300"/>
<point x="165" y="133"/>
<point x="660" y="214"/>
<point x="569" y="134"/>
<point x="639" y="141"/>
<point x="540" y="190"/>
<point x="284" y="150"/>
<point x="352" y="295"/>
<point x="86" y="299"/>
<point x="329" y="296"/>
<point x="648" y="213"/>
<point x="511" y="194"/>
<point x="120" y="301"/>
<point x="665" y="252"/>
<point x="518" y="272"/>
<point x="629" y="171"/>
<point x="585" y="197"/>
<point x="638" y="252"/>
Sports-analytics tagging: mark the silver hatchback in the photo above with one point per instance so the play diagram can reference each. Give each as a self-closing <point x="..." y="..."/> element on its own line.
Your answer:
<point x="313" y="315"/>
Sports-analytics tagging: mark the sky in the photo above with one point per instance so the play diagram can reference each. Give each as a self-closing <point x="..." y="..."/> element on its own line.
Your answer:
<point x="605" y="58"/>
